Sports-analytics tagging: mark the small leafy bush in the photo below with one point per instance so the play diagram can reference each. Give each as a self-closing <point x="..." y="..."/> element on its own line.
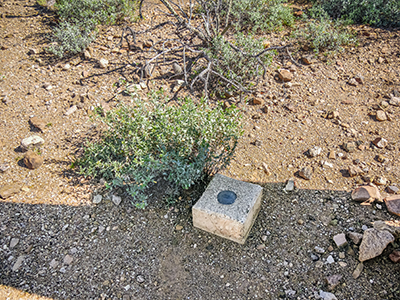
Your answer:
<point x="323" y="33"/>
<point x="79" y="19"/>
<point x="372" y="12"/>
<point x="235" y="65"/>
<point x="155" y="139"/>
<point x="259" y="14"/>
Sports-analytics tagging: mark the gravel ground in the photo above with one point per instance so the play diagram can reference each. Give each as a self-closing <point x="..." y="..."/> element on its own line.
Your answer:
<point x="55" y="243"/>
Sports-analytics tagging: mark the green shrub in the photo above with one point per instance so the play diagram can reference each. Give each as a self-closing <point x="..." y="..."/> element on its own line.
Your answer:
<point x="155" y="139"/>
<point x="235" y="65"/>
<point x="372" y="12"/>
<point x="79" y="19"/>
<point x="324" y="34"/>
<point x="259" y="14"/>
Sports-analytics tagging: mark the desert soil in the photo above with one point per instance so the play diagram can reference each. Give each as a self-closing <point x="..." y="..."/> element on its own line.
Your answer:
<point x="55" y="243"/>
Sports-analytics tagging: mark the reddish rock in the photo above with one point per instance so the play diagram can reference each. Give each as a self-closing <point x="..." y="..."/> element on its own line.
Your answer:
<point x="333" y="281"/>
<point x="257" y="101"/>
<point x="32" y="160"/>
<point x="285" y="75"/>
<point x="395" y="256"/>
<point x="393" y="204"/>
<point x="365" y="193"/>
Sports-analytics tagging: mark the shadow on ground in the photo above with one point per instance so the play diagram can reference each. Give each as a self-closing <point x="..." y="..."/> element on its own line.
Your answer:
<point x="105" y="251"/>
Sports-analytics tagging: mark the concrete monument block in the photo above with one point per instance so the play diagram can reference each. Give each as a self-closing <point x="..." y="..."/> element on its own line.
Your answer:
<point x="219" y="212"/>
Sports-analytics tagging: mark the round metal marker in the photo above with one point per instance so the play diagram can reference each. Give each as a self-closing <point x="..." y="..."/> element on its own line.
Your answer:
<point x="226" y="197"/>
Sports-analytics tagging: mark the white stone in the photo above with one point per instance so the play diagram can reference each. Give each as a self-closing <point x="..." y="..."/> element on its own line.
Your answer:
<point x="103" y="63"/>
<point x="319" y="250"/>
<point x="66" y="67"/>
<point x="232" y="221"/>
<point x="14" y="242"/>
<point x="32" y="141"/>
<point x="71" y="110"/>
<point x="327" y="296"/>
<point x="116" y="199"/>
<point x="330" y="259"/>
<point x="97" y="199"/>
<point x="340" y="240"/>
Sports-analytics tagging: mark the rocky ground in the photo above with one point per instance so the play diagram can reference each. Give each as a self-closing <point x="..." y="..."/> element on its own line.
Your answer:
<point x="333" y="126"/>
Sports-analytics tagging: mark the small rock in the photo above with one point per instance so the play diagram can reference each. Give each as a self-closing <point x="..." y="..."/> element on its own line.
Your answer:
<point x="4" y="167"/>
<point x="179" y="227"/>
<point x="71" y="110"/>
<point x="53" y="263"/>
<point x="391" y="189"/>
<point x="319" y="250"/>
<point x="103" y="63"/>
<point x="300" y="222"/>
<point x="63" y="270"/>
<point x="31" y="142"/>
<point x="355" y="237"/>
<point x="266" y="169"/>
<point x="116" y="199"/>
<point x="327" y="296"/>
<point x="340" y="240"/>
<point x="393" y="204"/>
<point x="14" y="242"/>
<point x="333" y="281"/>
<point x="290" y="185"/>
<point x="66" y="67"/>
<point x="395" y="101"/>
<point x="342" y="264"/>
<point x="87" y="54"/>
<point x="285" y="75"/>
<point x="380" y="142"/>
<point x="359" y="79"/>
<point x="308" y="59"/>
<point x="101" y="228"/>
<point x="366" y="193"/>
<point x="330" y="259"/>
<point x="314" y="257"/>
<point x="97" y="199"/>
<point x="325" y="164"/>
<point x="38" y="123"/>
<point x="315" y="151"/>
<point x="32" y="160"/>
<point x="177" y="68"/>
<point x="380" y="180"/>
<point x="380" y="158"/>
<point x="261" y="246"/>
<point x="353" y="82"/>
<point x="358" y="270"/>
<point x="47" y="86"/>
<point x="391" y="226"/>
<point x="381" y="116"/>
<point x="32" y="51"/>
<point x="257" y="101"/>
<point x="68" y="259"/>
<point x="332" y="115"/>
<point x="373" y="243"/>
<point x="9" y="190"/>
<point x="395" y="256"/>
<point x="342" y="255"/>
<point x="18" y="263"/>
<point x="140" y="278"/>
<point x="349" y="147"/>
<point x="354" y="171"/>
<point x="306" y="173"/>
<point x="332" y="155"/>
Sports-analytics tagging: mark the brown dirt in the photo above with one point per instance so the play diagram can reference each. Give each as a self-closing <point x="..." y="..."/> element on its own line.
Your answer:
<point x="114" y="247"/>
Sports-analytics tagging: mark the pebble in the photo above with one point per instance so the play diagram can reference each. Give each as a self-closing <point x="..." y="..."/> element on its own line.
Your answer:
<point x="306" y="173"/>
<point x="395" y="101"/>
<point x="366" y="193"/>
<point x="47" y="86"/>
<point x="178" y="227"/>
<point x="31" y="142"/>
<point x="358" y="270"/>
<point x="8" y="190"/>
<point x="364" y="227"/>
<point x="380" y="142"/>
<point x="285" y="75"/>
<point x="66" y="67"/>
<point x="319" y="249"/>
<point x="342" y="264"/>
<point x="18" y="263"/>
<point x="380" y="180"/>
<point x="97" y="199"/>
<point x="327" y="296"/>
<point x="38" y="123"/>
<point x="340" y="240"/>
<point x="68" y="259"/>
<point x="54" y="263"/>
<point x="261" y="246"/>
<point x="381" y="116"/>
<point x="349" y="147"/>
<point x="330" y="259"/>
<point x="391" y="189"/>
<point x="333" y="281"/>
<point x="4" y="167"/>
<point x="325" y="164"/>
<point x="32" y="160"/>
<point x="14" y="242"/>
<point x="393" y="204"/>
<point x="373" y="243"/>
<point x="395" y="256"/>
<point x="101" y="228"/>
<point x="71" y="110"/>
<point x="103" y="63"/>
<point x="140" y="278"/>
<point x="290" y="185"/>
<point x="353" y="82"/>
<point x="354" y="171"/>
<point x="116" y="199"/>
<point x="264" y="238"/>
<point x="355" y="237"/>
<point x="177" y="68"/>
<point x="300" y="222"/>
<point x="315" y="151"/>
<point x="314" y="257"/>
<point x="266" y="169"/>
<point x="342" y="255"/>
<point x="332" y="155"/>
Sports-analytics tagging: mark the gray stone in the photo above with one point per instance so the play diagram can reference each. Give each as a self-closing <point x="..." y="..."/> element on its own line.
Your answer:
<point x="391" y="226"/>
<point x="355" y="237"/>
<point x="14" y="242"/>
<point x="319" y="249"/>
<point x="18" y="263"/>
<point x="54" y="263"/>
<point x="373" y="243"/>
<point x="140" y="278"/>
<point x="330" y="259"/>
<point x="393" y="204"/>
<point x="116" y="199"/>
<point x="358" y="270"/>
<point x="290" y="185"/>
<point x="327" y="296"/>
<point x="333" y="281"/>
<point x="340" y="240"/>
<point x="232" y="221"/>
<point x="366" y="193"/>
<point x="97" y="199"/>
<point x="68" y="259"/>
<point x="395" y="101"/>
<point x="31" y="142"/>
